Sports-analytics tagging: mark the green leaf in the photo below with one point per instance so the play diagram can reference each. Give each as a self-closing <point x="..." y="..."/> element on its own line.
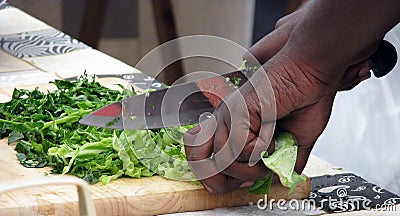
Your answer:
<point x="262" y="186"/>
<point x="105" y="179"/>
<point x="125" y="153"/>
<point x="283" y="160"/>
<point x="14" y="136"/>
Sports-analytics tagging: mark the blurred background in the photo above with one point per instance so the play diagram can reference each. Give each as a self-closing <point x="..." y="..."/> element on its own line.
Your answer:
<point x="128" y="29"/>
<point x="363" y="135"/>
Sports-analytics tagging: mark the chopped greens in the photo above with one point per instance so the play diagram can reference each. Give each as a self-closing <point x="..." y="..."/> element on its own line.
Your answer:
<point x="245" y="67"/>
<point x="237" y="82"/>
<point x="162" y="150"/>
<point x="45" y="128"/>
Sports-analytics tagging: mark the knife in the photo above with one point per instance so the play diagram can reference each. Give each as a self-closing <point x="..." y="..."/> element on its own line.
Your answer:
<point x="185" y="103"/>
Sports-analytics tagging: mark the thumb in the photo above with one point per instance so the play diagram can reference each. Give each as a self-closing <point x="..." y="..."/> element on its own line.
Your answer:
<point x="269" y="45"/>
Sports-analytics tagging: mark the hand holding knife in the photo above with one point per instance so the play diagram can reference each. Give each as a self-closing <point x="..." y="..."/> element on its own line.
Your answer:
<point x="190" y="100"/>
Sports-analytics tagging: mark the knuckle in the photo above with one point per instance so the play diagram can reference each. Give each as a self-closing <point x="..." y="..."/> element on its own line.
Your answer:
<point x="306" y="148"/>
<point x="192" y="155"/>
<point x="188" y="138"/>
<point x="280" y="22"/>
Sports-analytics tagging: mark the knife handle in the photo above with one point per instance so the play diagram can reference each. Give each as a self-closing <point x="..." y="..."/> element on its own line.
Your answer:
<point x="384" y="59"/>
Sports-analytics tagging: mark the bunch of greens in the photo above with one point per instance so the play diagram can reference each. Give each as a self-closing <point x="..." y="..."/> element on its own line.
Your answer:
<point x="162" y="150"/>
<point x="46" y="129"/>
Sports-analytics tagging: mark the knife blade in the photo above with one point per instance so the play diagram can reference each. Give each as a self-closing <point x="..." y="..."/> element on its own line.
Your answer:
<point x="183" y="104"/>
<point x="180" y="104"/>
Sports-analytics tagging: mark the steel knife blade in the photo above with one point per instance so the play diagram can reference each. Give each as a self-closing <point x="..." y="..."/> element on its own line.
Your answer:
<point x="180" y="104"/>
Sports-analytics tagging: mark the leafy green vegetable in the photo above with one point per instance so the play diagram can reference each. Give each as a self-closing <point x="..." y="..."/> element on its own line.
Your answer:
<point x="281" y="162"/>
<point x="262" y="186"/>
<point x="14" y="136"/>
<point x="162" y="151"/>
<point x="248" y="68"/>
<point x="237" y="82"/>
<point x="46" y="129"/>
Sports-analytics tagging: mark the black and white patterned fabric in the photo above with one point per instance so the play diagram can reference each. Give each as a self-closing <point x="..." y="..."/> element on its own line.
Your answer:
<point x="4" y="4"/>
<point x="39" y="43"/>
<point x="349" y="192"/>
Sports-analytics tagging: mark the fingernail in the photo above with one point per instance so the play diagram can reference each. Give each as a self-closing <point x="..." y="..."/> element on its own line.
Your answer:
<point x="188" y="137"/>
<point x="365" y="77"/>
<point x="247" y="184"/>
<point x="364" y="71"/>
<point x="211" y="191"/>
<point x="195" y="130"/>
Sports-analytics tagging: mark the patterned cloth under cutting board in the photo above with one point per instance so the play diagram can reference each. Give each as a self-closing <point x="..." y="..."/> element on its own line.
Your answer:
<point x="3" y="4"/>
<point x="349" y="192"/>
<point x="39" y="43"/>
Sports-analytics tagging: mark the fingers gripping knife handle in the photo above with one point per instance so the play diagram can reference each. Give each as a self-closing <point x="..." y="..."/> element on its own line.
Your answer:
<point x="384" y="59"/>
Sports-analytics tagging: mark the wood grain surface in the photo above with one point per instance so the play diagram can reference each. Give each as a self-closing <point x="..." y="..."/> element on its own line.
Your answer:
<point x="125" y="196"/>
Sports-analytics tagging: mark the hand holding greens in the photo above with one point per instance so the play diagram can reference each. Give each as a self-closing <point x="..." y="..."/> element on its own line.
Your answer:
<point x="281" y="162"/>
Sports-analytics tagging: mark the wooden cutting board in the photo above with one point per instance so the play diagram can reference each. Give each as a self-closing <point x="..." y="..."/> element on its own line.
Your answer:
<point x="125" y="196"/>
